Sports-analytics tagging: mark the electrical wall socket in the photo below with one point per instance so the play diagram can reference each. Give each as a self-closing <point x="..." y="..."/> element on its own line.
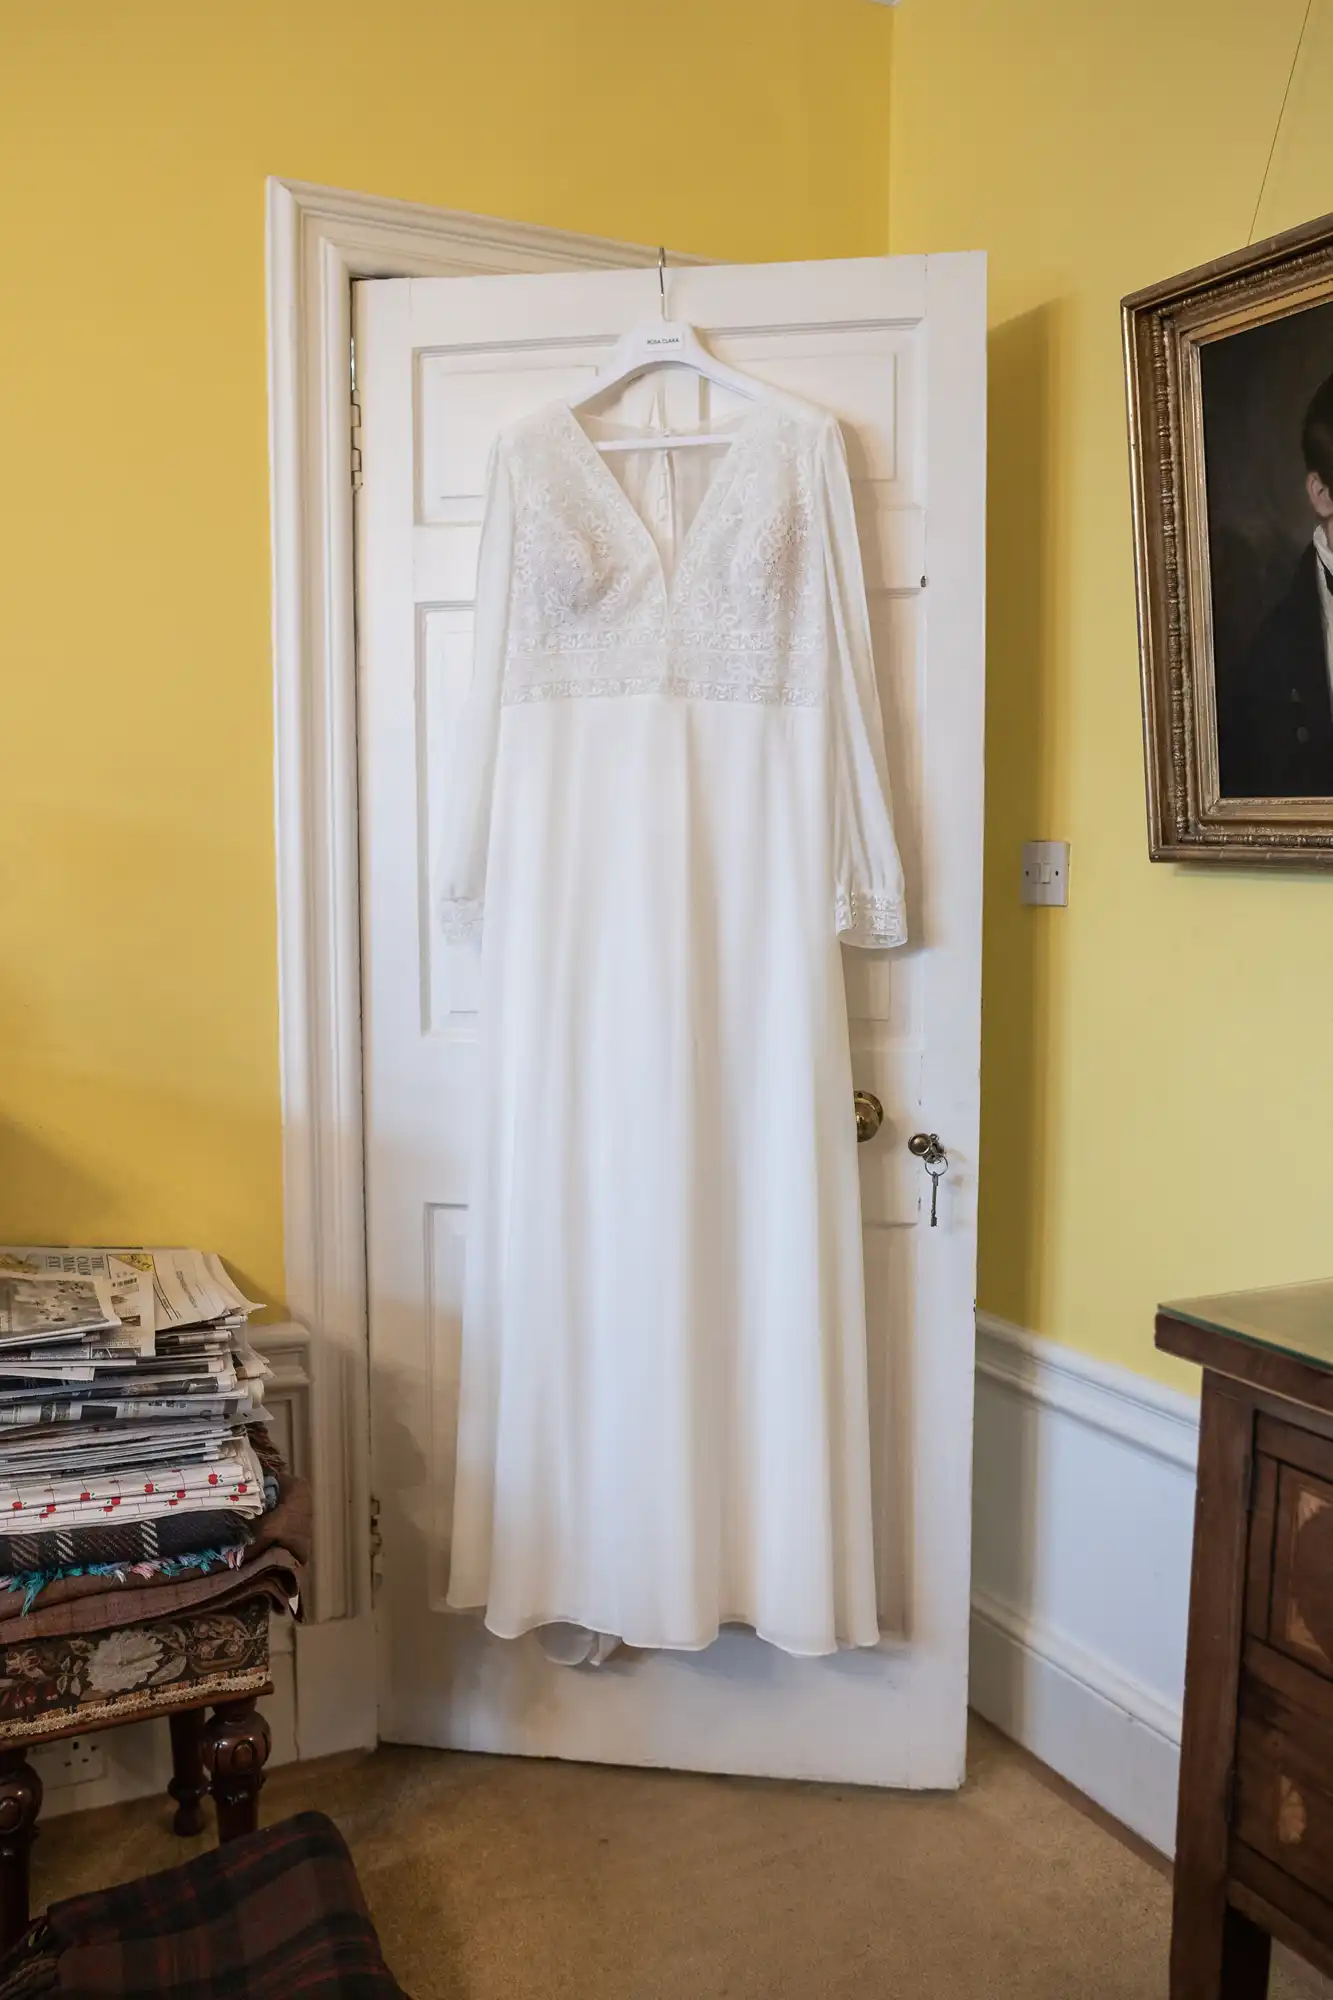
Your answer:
<point x="74" y="1760"/>
<point x="1046" y="871"/>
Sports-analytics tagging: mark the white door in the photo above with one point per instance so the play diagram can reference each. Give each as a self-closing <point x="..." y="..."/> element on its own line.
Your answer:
<point x="896" y="348"/>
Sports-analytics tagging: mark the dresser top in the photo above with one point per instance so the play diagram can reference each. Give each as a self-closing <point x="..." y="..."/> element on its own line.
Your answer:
<point x="1295" y="1320"/>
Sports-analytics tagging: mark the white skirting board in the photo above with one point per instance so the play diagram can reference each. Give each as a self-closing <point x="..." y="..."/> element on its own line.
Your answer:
<point x="1084" y="1496"/>
<point x="1084" y="1511"/>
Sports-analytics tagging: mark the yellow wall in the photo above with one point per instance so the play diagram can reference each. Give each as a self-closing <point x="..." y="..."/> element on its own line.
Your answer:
<point x="138" y="1005"/>
<point x="1158" y="1064"/>
<point x="1159" y="1058"/>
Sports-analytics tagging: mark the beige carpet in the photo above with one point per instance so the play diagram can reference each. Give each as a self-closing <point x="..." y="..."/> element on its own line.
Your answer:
<point x="499" y="1879"/>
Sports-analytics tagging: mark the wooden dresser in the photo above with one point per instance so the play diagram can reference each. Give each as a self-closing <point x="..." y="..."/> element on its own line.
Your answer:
<point x="1254" y="1844"/>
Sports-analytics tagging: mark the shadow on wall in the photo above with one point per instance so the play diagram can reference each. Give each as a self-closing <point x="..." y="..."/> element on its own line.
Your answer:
<point x="140" y="1048"/>
<point x="39" y="1180"/>
<point x="50" y="1196"/>
<point x="1016" y="1060"/>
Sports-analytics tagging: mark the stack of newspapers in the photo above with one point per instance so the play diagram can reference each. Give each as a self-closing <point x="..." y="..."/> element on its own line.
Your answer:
<point x="126" y="1385"/>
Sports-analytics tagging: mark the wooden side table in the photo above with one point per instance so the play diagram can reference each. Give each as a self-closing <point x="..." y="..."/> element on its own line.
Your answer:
<point x="1254" y="1842"/>
<point x="70" y="1684"/>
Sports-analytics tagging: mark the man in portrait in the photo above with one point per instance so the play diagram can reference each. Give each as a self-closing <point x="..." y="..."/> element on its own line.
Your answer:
<point x="1275" y="707"/>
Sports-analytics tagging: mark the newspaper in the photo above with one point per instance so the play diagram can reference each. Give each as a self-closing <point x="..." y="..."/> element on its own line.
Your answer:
<point x="127" y="1382"/>
<point x="39" y="1449"/>
<point x="128" y="1275"/>
<point x="152" y="1290"/>
<point x="26" y="1369"/>
<point x="213" y="1372"/>
<point x="46" y="1308"/>
<point x="190" y="1287"/>
<point x="135" y="1409"/>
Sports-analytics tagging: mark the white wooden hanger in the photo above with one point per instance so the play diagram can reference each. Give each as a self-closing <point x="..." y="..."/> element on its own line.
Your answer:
<point x="666" y="343"/>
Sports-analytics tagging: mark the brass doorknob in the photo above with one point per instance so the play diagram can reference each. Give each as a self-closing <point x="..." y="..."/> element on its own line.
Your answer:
<point x="869" y="1115"/>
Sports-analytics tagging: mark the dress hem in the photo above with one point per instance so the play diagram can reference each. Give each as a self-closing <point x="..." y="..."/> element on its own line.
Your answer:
<point x="521" y="1628"/>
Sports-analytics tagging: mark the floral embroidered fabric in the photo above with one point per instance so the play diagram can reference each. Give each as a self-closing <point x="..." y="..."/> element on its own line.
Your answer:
<point x="592" y="612"/>
<point x="874" y="922"/>
<point x="97" y="1677"/>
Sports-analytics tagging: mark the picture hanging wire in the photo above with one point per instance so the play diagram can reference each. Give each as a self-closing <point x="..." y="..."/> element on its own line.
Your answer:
<point x="1282" y="112"/>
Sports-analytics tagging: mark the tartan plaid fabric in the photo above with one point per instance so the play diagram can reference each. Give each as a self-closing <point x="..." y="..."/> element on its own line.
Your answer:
<point x="127" y="1541"/>
<point x="277" y="1915"/>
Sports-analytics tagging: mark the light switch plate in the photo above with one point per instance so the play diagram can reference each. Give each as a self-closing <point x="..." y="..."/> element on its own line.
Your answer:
<point x="1046" y="871"/>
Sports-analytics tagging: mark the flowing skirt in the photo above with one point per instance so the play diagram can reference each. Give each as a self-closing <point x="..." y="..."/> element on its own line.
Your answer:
<point x="663" y="1418"/>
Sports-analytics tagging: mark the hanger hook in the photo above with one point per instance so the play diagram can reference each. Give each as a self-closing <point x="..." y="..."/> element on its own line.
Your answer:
<point x="661" y="277"/>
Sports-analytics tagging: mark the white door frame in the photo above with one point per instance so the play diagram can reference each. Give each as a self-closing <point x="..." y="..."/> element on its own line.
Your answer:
<point x="319" y="240"/>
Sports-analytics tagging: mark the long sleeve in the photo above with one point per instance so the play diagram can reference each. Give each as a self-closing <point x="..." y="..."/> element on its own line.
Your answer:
<point x="868" y="876"/>
<point x="461" y="872"/>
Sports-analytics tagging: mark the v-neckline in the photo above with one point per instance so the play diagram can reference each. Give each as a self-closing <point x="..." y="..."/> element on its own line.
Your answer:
<point x="707" y="505"/>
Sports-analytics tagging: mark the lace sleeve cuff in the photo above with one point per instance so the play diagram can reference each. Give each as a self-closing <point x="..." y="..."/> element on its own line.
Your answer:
<point x="460" y="918"/>
<point x="873" y="922"/>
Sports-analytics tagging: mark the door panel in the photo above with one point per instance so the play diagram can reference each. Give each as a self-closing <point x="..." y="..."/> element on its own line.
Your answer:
<point x="895" y="347"/>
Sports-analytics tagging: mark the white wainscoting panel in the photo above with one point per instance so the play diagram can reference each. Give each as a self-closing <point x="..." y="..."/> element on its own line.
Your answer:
<point x="1083" y="1518"/>
<point x="1084" y="1498"/>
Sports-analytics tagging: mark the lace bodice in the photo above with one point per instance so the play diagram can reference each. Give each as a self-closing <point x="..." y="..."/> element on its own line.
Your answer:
<point x="765" y="606"/>
<point x="591" y="611"/>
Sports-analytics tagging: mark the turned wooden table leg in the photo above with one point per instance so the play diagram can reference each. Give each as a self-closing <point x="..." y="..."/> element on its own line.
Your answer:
<point x="235" y="1748"/>
<point x="1216" y="1953"/>
<point x="189" y="1781"/>
<point x="20" y="1803"/>
<point x="1246" y="1952"/>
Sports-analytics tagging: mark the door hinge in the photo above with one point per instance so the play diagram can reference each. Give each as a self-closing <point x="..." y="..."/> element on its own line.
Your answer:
<point x="356" y="445"/>
<point x="376" y="1543"/>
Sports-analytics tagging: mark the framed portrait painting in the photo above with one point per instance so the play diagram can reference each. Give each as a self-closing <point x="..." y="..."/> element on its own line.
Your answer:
<point x="1230" y="381"/>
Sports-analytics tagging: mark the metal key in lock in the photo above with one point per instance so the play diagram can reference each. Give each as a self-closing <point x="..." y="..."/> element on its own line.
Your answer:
<point x="927" y="1148"/>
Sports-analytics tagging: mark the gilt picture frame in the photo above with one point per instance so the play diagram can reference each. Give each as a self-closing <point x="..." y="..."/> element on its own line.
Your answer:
<point x="1229" y="377"/>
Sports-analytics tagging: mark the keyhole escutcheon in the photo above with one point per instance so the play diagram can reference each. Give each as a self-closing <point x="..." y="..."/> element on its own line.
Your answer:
<point x="927" y="1148"/>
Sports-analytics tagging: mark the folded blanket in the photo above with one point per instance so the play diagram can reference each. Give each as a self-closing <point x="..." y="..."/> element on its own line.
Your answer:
<point x="200" y="1563"/>
<point x="123" y="1542"/>
<point x="272" y="1915"/>
<point x="272" y="1564"/>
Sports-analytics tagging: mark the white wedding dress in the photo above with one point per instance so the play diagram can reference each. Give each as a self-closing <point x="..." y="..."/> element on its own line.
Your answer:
<point x="670" y="802"/>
